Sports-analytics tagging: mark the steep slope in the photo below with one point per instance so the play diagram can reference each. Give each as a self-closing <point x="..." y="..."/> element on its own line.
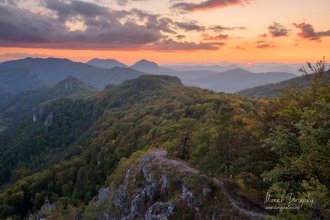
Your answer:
<point x="15" y="80"/>
<point x="154" y="187"/>
<point x="274" y="89"/>
<point x="16" y="106"/>
<point x="52" y="70"/>
<point x="106" y="63"/>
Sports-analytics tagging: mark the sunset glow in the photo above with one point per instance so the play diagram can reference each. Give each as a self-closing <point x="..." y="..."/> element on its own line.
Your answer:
<point x="166" y="31"/>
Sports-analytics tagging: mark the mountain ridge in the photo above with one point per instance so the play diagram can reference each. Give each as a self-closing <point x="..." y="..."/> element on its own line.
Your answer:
<point x="53" y="70"/>
<point x="106" y="63"/>
<point x="274" y="89"/>
<point x="19" y="79"/>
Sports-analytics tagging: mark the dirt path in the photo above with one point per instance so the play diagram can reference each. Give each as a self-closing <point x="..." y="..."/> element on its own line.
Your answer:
<point x="162" y="156"/>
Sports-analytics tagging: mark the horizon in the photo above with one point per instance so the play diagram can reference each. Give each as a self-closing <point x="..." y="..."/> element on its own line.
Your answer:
<point x="166" y="32"/>
<point x="187" y="63"/>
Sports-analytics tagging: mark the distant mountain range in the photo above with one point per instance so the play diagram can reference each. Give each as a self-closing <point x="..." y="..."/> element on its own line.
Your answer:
<point x="214" y="68"/>
<point x="106" y="63"/>
<point x="230" y="81"/>
<point x="255" y="68"/>
<point x="233" y="79"/>
<point x="150" y="67"/>
<point x="36" y="73"/>
<point x="13" y="80"/>
<point x="274" y="89"/>
<point x="52" y="70"/>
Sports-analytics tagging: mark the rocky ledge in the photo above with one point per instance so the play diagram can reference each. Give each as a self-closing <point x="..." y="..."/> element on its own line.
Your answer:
<point x="158" y="188"/>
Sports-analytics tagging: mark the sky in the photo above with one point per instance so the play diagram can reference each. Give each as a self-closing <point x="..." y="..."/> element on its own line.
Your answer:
<point x="166" y="31"/>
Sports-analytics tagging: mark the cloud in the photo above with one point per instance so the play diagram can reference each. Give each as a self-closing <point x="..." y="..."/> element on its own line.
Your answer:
<point x="220" y="28"/>
<point x="169" y="44"/>
<point x="217" y="37"/>
<point x="189" y="26"/>
<point x="264" y="44"/>
<point x="153" y="21"/>
<point x="125" y="2"/>
<point x="23" y="28"/>
<point x="10" y="2"/>
<point x="180" y="36"/>
<point x="278" y="30"/>
<point x="207" y="5"/>
<point x="72" y="9"/>
<point x="307" y="31"/>
<point x="103" y="28"/>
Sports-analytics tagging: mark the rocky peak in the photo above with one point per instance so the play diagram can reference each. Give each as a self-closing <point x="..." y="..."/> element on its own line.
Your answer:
<point x="155" y="188"/>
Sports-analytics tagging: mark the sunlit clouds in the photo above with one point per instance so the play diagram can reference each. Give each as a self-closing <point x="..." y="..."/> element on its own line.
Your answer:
<point x="168" y="31"/>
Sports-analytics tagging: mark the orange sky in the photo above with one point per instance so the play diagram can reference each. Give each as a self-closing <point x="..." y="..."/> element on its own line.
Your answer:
<point x="307" y="40"/>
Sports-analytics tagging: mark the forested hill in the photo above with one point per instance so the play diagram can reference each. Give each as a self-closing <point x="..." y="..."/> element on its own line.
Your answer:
<point x="274" y="89"/>
<point x="14" y="105"/>
<point x="77" y="157"/>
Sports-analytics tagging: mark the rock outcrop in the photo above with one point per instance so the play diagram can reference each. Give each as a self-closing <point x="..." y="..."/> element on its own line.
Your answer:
<point x="158" y="188"/>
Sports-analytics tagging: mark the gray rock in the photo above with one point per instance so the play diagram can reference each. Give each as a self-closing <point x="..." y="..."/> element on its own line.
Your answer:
<point x="148" y="174"/>
<point x="160" y="211"/>
<point x="48" y="205"/>
<point x="103" y="195"/>
<point x="121" y="199"/>
<point x="206" y="189"/>
<point x="34" y="117"/>
<point x="49" y="120"/>
<point x="138" y="201"/>
<point x="147" y="159"/>
<point x="163" y="183"/>
<point x="189" y="196"/>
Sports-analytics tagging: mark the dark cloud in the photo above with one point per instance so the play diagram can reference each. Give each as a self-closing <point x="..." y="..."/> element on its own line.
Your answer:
<point x="307" y="31"/>
<point x="21" y="26"/>
<point x="125" y="2"/>
<point x="217" y="37"/>
<point x="102" y="28"/>
<point x="207" y="5"/>
<point x="190" y="26"/>
<point x="263" y="35"/>
<point x="180" y="36"/>
<point x="10" y="2"/>
<point x="278" y="30"/>
<point x="169" y="44"/>
<point x="220" y="28"/>
<point x="72" y="9"/>
<point x="154" y="21"/>
<point x="264" y="44"/>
